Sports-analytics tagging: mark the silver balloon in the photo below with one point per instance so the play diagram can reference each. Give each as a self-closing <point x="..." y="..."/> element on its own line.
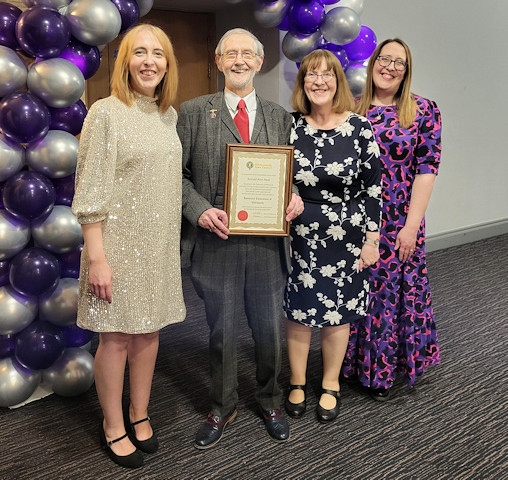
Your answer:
<point x="296" y="46"/>
<point x="356" y="76"/>
<point x="56" y="81"/>
<point x="55" y="155"/>
<point x="14" y="235"/>
<point x="144" y="6"/>
<point x="12" y="158"/>
<point x="72" y="374"/>
<point x="356" y="5"/>
<point x="342" y="25"/>
<point x="13" y="71"/>
<point x="16" y="311"/>
<point x="270" y="14"/>
<point x="94" y="22"/>
<point x="60" y="232"/>
<point x="16" y="383"/>
<point x="62" y="305"/>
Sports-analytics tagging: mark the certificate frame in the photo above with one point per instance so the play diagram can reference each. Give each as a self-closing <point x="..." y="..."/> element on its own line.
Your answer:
<point x="258" y="187"/>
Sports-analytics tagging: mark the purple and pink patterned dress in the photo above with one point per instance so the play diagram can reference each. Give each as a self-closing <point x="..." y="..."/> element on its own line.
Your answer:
<point x="399" y="334"/>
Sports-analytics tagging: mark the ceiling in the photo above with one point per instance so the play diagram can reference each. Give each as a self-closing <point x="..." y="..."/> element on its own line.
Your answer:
<point x="195" y="5"/>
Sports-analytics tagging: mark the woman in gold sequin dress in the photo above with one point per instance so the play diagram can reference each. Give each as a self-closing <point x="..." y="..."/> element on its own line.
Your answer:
<point x="128" y="201"/>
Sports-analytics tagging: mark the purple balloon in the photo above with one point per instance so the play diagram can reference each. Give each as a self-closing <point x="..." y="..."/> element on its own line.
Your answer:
<point x="7" y="345"/>
<point x="86" y="57"/>
<point x="29" y="195"/>
<point x="362" y="46"/>
<point x="39" y="345"/>
<point x="64" y="188"/>
<point x="284" y="25"/>
<point x="70" y="119"/>
<point x="70" y="262"/>
<point x="129" y="13"/>
<point x="339" y="52"/>
<point x="34" y="271"/>
<point x="24" y="117"/>
<point x="42" y="32"/>
<point x="9" y="15"/>
<point x="306" y="16"/>
<point x="4" y="272"/>
<point x="75" y="336"/>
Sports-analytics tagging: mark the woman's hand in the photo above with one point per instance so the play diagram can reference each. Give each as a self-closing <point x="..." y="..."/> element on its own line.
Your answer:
<point x="368" y="256"/>
<point x="100" y="280"/>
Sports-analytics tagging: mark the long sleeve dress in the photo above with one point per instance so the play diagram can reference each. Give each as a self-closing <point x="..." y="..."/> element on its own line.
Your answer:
<point x="129" y="178"/>
<point x="338" y="175"/>
<point x="399" y="333"/>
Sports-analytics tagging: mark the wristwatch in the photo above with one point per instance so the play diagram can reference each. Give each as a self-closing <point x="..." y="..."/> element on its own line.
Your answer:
<point x="374" y="242"/>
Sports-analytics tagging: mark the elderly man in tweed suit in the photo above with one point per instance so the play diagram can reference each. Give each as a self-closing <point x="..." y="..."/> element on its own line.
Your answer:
<point x="234" y="275"/>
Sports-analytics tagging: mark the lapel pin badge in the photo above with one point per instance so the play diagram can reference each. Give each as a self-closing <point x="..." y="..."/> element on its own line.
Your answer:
<point x="213" y="113"/>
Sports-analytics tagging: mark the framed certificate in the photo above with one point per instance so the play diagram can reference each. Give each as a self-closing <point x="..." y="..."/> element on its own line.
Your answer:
<point x="258" y="188"/>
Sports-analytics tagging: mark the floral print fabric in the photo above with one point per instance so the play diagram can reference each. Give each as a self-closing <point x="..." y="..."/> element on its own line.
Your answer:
<point x="338" y="176"/>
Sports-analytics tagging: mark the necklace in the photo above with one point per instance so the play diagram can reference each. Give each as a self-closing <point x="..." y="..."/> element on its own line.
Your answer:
<point x="378" y="115"/>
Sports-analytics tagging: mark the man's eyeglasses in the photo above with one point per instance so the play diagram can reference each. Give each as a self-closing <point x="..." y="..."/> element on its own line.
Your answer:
<point x="246" y="55"/>
<point x="313" y="76"/>
<point x="386" y="61"/>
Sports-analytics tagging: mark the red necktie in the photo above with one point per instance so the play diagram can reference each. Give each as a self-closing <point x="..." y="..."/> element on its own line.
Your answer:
<point x="242" y="121"/>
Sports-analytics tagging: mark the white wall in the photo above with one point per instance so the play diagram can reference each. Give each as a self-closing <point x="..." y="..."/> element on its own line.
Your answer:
<point x="459" y="51"/>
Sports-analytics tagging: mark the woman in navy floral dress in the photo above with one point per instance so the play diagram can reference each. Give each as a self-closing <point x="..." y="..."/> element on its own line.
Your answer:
<point x="338" y="174"/>
<point x="399" y="333"/>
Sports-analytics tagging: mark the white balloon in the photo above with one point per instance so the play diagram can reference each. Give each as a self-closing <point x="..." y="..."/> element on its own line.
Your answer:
<point x="12" y="158"/>
<point x="94" y="22"/>
<point x="16" y="383"/>
<point x="72" y="374"/>
<point x="16" y="311"/>
<point x="356" y="76"/>
<point x="61" y="307"/>
<point x="270" y="14"/>
<point x="55" y="155"/>
<point x="60" y="231"/>
<point x="14" y="235"/>
<point x="144" y="6"/>
<point x="295" y="47"/>
<point x="56" y="81"/>
<point x="342" y="25"/>
<point x="13" y="71"/>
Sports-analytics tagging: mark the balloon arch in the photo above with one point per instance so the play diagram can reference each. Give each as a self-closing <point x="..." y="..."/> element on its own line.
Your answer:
<point x="333" y="25"/>
<point x="46" y="53"/>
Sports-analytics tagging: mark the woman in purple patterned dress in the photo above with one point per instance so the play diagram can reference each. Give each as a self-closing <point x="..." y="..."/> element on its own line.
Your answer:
<point x="398" y="335"/>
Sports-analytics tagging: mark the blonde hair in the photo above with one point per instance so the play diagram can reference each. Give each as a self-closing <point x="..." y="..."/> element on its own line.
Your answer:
<point x="342" y="100"/>
<point x="404" y="99"/>
<point x="120" y="85"/>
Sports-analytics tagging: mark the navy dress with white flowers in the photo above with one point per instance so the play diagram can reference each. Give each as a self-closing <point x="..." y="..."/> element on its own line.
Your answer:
<point x="338" y="175"/>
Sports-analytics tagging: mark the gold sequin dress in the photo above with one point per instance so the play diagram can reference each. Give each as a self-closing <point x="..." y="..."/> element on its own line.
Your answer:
<point x="129" y="177"/>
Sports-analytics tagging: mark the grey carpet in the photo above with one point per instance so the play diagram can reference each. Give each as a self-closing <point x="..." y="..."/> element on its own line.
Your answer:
<point x="451" y="425"/>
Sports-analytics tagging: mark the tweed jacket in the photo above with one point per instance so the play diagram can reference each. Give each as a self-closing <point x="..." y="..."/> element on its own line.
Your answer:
<point x="205" y="127"/>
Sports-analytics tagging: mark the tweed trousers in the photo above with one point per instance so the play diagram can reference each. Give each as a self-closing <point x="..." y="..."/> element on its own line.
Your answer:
<point x="239" y="278"/>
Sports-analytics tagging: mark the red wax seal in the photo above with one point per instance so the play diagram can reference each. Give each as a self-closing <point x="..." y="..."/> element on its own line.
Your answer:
<point x="242" y="215"/>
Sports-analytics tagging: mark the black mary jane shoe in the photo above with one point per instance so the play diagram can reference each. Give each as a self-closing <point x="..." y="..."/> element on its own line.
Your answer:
<point x="379" y="394"/>
<point x="324" y="415"/>
<point x="133" y="460"/>
<point x="150" y="445"/>
<point x="296" y="410"/>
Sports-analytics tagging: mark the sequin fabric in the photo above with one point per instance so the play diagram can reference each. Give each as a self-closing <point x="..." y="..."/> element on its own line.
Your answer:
<point x="129" y="178"/>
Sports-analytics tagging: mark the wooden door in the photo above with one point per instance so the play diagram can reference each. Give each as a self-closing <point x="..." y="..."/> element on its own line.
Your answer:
<point x="193" y="38"/>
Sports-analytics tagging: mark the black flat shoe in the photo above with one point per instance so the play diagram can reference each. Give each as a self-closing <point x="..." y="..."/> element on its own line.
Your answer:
<point x="150" y="445"/>
<point x="379" y="394"/>
<point x="133" y="460"/>
<point x="296" y="410"/>
<point x="324" y="415"/>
